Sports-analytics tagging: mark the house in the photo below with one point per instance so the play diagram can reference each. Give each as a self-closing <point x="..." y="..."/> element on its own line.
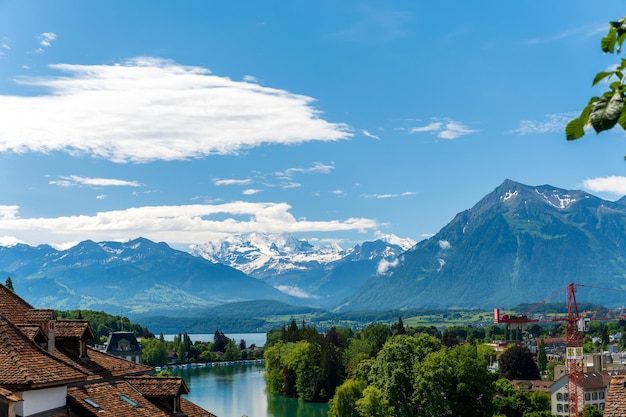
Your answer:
<point x="48" y="370"/>
<point x="532" y="385"/>
<point x="125" y="345"/>
<point x="595" y="387"/>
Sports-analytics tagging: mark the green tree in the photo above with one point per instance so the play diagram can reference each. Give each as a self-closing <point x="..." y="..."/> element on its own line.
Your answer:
<point x="154" y="353"/>
<point x="590" y="411"/>
<point x="517" y="363"/>
<point x="400" y="327"/>
<point x="344" y="402"/>
<point x="393" y="370"/>
<point x="604" y="112"/>
<point x="542" y="356"/>
<point x="374" y="404"/>
<point x="453" y="382"/>
<point x="9" y="284"/>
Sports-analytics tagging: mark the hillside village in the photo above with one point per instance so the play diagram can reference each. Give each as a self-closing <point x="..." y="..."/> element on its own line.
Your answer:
<point x="48" y="370"/>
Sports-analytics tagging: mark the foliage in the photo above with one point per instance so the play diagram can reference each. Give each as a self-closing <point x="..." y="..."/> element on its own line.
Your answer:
<point x="542" y="356"/>
<point x="374" y="404"/>
<point x="304" y="363"/>
<point x="453" y="382"/>
<point x="104" y="323"/>
<point x="9" y="284"/>
<point x="154" y="353"/>
<point x="517" y="363"/>
<point x="604" y="112"/>
<point x="591" y="411"/>
<point x="344" y="403"/>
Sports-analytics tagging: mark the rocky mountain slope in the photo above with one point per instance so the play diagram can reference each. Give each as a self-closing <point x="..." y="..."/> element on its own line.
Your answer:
<point x="519" y="244"/>
<point x="138" y="276"/>
<point x="319" y="275"/>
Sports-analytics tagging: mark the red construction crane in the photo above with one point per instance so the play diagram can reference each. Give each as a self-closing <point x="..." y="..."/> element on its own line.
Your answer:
<point x="576" y="324"/>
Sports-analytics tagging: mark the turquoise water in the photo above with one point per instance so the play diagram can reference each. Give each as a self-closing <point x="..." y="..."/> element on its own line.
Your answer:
<point x="239" y="390"/>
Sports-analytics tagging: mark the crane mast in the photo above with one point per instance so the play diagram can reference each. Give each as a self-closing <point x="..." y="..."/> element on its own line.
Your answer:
<point x="575" y="325"/>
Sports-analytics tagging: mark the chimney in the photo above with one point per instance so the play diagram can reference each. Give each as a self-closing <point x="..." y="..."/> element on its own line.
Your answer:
<point x="51" y="337"/>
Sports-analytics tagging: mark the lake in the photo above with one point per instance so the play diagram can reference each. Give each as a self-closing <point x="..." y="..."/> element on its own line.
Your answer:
<point x="257" y="339"/>
<point x="239" y="390"/>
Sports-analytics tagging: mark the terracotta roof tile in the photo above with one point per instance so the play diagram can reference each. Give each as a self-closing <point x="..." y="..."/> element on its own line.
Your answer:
<point x="616" y="399"/>
<point x="23" y="364"/>
<point x="5" y="393"/>
<point x="40" y="315"/>
<point x="102" y="365"/>
<point x="105" y="399"/>
<point x="12" y="306"/>
<point x="31" y="330"/>
<point x="152" y="386"/>
<point x="68" y="329"/>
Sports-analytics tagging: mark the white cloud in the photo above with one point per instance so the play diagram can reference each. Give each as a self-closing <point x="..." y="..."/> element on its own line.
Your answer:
<point x="404" y="194"/>
<point x="46" y="39"/>
<point x="231" y="181"/>
<point x="101" y="196"/>
<point x="553" y="123"/>
<point x="9" y="241"/>
<point x="9" y="212"/>
<point x="295" y="291"/>
<point x="384" y="266"/>
<point x="76" y="181"/>
<point x="369" y="134"/>
<point x="250" y="191"/>
<point x="613" y="185"/>
<point x="444" y="244"/>
<point x="317" y="168"/>
<point x="173" y="224"/>
<point x="445" y="129"/>
<point x="149" y="109"/>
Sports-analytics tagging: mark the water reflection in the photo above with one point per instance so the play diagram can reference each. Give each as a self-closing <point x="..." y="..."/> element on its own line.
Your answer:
<point x="237" y="390"/>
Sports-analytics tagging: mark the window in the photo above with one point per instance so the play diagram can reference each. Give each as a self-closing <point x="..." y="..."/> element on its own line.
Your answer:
<point x="559" y="396"/>
<point x="129" y="401"/>
<point x="594" y="396"/>
<point x="93" y="403"/>
<point x="587" y="396"/>
<point x="559" y="407"/>
<point x="601" y="395"/>
<point x="4" y="410"/>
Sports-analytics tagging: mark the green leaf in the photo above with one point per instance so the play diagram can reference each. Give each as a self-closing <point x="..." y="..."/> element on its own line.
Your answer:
<point x="575" y="129"/>
<point x="622" y="119"/>
<point x="608" y="42"/>
<point x="601" y="76"/>
<point x="606" y="112"/>
<point x="620" y="41"/>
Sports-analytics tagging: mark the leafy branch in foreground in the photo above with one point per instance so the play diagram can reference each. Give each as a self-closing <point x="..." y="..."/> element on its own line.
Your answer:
<point x="604" y="112"/>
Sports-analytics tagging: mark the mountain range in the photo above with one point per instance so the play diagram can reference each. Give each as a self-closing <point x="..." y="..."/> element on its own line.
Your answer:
<point x="518" y="244"/>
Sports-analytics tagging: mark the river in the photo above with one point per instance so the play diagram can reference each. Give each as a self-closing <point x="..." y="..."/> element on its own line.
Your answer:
<point x="239" y="390"/>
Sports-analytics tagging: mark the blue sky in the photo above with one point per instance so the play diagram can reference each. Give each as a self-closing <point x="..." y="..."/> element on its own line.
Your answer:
<point x="333" y="121"/>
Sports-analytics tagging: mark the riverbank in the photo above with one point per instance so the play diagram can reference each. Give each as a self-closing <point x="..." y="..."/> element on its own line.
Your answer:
<point x="208" y="364"/>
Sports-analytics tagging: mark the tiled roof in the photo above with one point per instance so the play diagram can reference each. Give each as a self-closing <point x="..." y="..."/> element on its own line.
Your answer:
<point x="69" y="329"/>
<point x="31" y="330"/>
<point x="616" y="399"/>
<point x="102" y="365"/>
<point x="152" y="386"/>
<point x="104" y="399"/>
<point x="23" y="364"/>
<point x="5" y="393"/>
<point x="12" y="306"/>
<point x="40" y="315"/>
<point x="597" y="379"/>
